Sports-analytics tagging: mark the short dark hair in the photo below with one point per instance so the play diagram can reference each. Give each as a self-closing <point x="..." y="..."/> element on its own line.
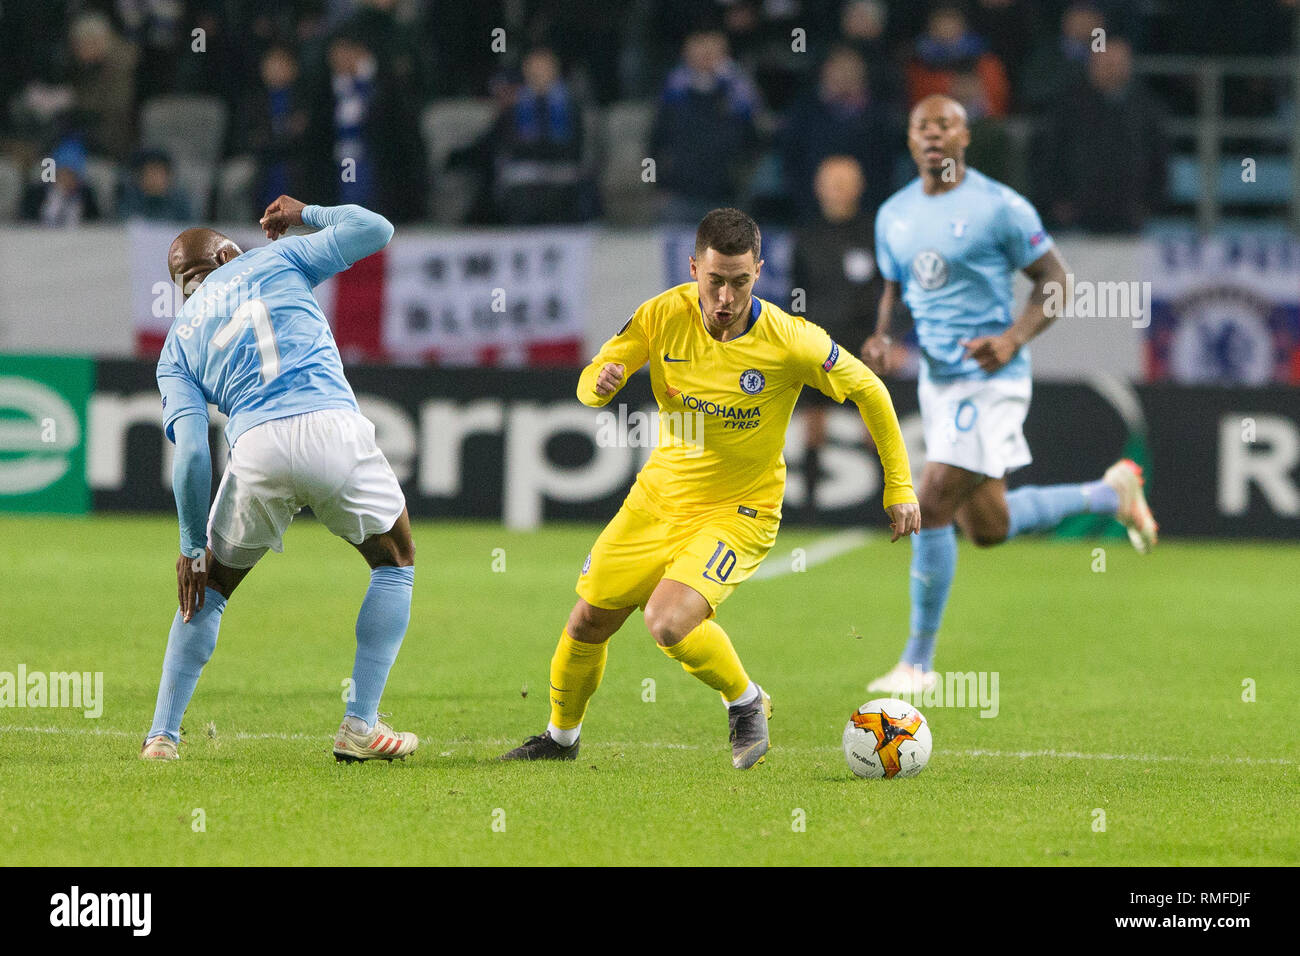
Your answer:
<point x="729" y="232"/>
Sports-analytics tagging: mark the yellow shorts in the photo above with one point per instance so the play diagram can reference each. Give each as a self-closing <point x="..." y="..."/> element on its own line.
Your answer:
<point x="637" y="550"/>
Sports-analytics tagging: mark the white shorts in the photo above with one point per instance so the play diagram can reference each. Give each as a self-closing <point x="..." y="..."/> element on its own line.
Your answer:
<point x="976" y="424"/>
<point x="327" y="460"/>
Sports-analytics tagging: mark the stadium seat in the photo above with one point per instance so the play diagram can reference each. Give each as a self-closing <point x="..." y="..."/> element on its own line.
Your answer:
<point x="234" y="200"/>
<point x="448" y="125"/>
<point x="11" y="189"/>
<point x="102" y="176"/>
<point x="1272" y="185"/>
<point x="626" y="132"/>
<point x="197" y="179"/>
<point x="189" y="128"/>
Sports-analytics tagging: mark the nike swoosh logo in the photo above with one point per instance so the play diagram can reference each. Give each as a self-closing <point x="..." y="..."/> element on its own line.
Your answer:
<point x="668" y="358"/>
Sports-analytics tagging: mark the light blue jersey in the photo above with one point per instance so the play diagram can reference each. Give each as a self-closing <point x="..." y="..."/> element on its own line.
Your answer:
<point x="955" y="255"/>
<point x="252" y="339"/>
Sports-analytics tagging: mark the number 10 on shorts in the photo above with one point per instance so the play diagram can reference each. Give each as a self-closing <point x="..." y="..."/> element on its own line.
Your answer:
<point x="726" y="560"/>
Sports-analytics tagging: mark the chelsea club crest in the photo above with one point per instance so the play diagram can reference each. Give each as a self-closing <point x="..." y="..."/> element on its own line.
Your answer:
<point x="752" y="381"/>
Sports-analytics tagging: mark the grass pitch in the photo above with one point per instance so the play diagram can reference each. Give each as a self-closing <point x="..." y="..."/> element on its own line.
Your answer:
<point x="1121" y="736"/>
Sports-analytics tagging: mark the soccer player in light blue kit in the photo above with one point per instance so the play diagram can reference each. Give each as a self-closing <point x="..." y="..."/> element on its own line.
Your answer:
<point x="951" y="242"/>
<point x="252" y="340"/>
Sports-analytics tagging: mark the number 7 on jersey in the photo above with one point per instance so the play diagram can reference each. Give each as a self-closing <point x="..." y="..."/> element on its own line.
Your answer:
<point x="253" y="310"/>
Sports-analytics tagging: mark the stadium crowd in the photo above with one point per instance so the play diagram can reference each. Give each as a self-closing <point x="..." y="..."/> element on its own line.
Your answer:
<point x="735" y="101"/>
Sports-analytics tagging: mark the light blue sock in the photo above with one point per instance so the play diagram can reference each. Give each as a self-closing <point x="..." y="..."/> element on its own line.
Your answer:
<point x="188" y="648"/>
<point x="381" y="625"/>
<point x="934" y="562"/>
<point x="1035" y="508"/>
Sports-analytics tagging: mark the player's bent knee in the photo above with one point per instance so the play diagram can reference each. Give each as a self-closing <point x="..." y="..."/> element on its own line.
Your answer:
<point x="388" y="550"/>
<point x="989" y="533"/>
<point x="224" y="580"/>
<point x="935" y="512"/>
<point x="589" y="624"/>
<point x="937" y="507"/>
<point x="668" y="623"/>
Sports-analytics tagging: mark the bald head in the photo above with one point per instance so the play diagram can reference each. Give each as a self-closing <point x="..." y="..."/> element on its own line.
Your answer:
<point x="195" y="253"/>
<point x="838" y="186"/>
<point x="937" y="136"/>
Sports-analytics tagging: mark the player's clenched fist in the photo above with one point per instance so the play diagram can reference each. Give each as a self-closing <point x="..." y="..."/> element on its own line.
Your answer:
<point x="991" y="351"/>
<point x="609" y="379"/>
<point x="878" y="354"/>
<point x="904" y="519"/>
<point x="280" y="216"/>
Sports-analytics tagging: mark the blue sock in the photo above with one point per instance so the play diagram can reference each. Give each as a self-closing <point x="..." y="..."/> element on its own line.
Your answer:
<point x="934" y="562"/>
<point x="381" y="625"/>
<point x="1035" y="508"/>
<point x="188" y="648"/>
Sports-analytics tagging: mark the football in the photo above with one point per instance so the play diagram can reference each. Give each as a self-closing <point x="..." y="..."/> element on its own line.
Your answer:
<point x="887" y="738"/>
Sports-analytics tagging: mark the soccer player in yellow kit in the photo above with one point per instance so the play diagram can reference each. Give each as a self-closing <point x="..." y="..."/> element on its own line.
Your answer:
<point x="726" y="369"/>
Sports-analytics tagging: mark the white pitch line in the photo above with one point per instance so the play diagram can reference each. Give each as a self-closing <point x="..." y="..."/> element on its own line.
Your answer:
<point x="110" y="732"/>
<point x="819" y="552"/>
<point x="668" y="745"/>
<point x="1136" y="758"/>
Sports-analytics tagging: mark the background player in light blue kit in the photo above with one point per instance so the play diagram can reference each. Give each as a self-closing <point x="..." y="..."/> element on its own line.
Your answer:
<point x="252" y="340"/>
<point x="951" y="241"/>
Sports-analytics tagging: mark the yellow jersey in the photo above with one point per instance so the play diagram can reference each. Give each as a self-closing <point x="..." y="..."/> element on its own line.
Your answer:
<point x="724" y="407"/>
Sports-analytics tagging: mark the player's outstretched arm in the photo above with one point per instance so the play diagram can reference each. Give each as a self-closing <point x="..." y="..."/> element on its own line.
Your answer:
<point x="192" y="486"/>
<point x="877" y="411"/>
<point x="352" y="232"/>
<point x="838" y="374"/>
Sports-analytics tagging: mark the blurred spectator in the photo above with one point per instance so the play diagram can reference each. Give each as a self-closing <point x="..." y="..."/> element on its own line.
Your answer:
<point x="530" y="160"/>
<point x="949" y="47"/>
<point x="840" y="117"/>
<point x="363" y="140"/>
<point x="538" y="146"/>
<point x="233" y="45"/>
<point x="271" y="126"/>
<point x="103" y="84"/>
<point x="587" y="36"/>
<point x="68" y="200"/>
<point x="703" y="130"/>
<point x="862" y="27"/>
<point x="761" y="36"/>
<point x="833" y="264"/>
<point x="151" y="193"/>
<point x="1011" y="27"/>
<point x="159" y="31"/>
<point x="1101" y="164"/>
<point x="463" y="69"/>
<point x="376" y="25"/>
<point x="32" y="36"/>
<point x="1062" y="63"/>
<point x="742" y="23"/>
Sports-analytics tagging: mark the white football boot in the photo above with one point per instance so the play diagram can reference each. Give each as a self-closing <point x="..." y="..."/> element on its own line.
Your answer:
<point x="160" y="747"/>
<point x="382" y="743"/>
<point x="1125" y="476"/>
<point x="904" y="680"/>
